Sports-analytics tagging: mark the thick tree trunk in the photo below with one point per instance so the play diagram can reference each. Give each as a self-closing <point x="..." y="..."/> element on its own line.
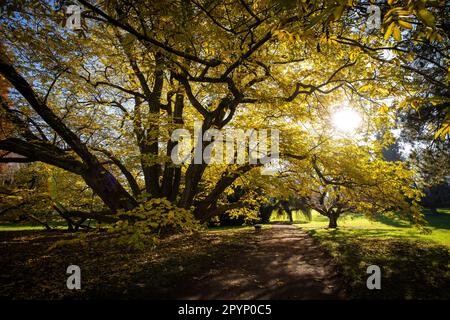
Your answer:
<point x="204" y="207"/>
<point x="105" y="185"/>
<point x="131" y="180"/>
<point x="148" y="139"/>
<point x="176" y="184"/>
<point x="192" y="179"/>
<point x="171" y="177"/>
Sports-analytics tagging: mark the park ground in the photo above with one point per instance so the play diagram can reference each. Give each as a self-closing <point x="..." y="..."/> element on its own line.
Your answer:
<point x="303" y="260"/>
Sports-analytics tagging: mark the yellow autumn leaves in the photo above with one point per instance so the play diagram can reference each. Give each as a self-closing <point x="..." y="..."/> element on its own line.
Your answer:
<point x="395" y="19"/>
<point x="444" y="130"/>
<point x="399" y="18"/>
<point x="144" y="223"/>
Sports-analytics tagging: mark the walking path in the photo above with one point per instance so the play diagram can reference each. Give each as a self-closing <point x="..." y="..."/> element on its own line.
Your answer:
<point x="282" y="263"/>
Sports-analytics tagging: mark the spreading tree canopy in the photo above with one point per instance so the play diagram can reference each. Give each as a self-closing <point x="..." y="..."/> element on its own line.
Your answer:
<point x="101" y="102"/>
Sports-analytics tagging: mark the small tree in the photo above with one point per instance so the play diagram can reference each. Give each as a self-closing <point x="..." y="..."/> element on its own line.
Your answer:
<point x="350" y="180"/>
<point x="331" y="203"/>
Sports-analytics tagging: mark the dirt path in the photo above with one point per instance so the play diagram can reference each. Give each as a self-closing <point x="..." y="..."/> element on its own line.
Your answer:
<point x="282" y="263"/>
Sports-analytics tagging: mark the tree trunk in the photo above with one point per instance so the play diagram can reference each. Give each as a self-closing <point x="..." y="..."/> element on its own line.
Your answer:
<point x="333" y="221"/>
<point x="106" y="186"/>
<point x="45" y="224"/>
<point x="289" y="213"/>
<point x="193" y="176"/>
<point x="227" y="179"/>
<point x="171" y="177"/>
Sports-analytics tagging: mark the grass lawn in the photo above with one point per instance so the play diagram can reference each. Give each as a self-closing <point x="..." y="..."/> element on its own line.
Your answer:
<point x="383" y="227"/>
<point x="413" y="265"/>
<point x="31" y="226"/>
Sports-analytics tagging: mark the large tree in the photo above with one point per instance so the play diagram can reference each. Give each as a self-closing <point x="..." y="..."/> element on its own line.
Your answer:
<point x="115" y="90"/>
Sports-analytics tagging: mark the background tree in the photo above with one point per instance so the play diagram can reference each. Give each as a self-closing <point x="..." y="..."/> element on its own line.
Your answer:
<point x="348" y="179"/>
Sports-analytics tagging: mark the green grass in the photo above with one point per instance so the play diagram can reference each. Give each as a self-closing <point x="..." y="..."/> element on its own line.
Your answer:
<point x="28" y="226"/>
<point x="62" y="225"/>
<point x="413" y="265"/>
<point x="382" y="227"/>
<point x="409" y="269"/>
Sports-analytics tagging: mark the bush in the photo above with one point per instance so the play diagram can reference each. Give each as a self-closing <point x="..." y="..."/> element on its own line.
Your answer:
<point x="146" y="223"/>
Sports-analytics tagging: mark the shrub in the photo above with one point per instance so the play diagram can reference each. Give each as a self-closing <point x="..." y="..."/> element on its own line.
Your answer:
<point x="146" y="223"/>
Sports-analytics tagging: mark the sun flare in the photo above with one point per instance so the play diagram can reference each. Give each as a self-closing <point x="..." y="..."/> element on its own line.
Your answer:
<point x="346" y="120"/>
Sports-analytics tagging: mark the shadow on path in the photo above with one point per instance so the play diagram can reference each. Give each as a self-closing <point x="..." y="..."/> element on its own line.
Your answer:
<point x="280" y="263"/>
